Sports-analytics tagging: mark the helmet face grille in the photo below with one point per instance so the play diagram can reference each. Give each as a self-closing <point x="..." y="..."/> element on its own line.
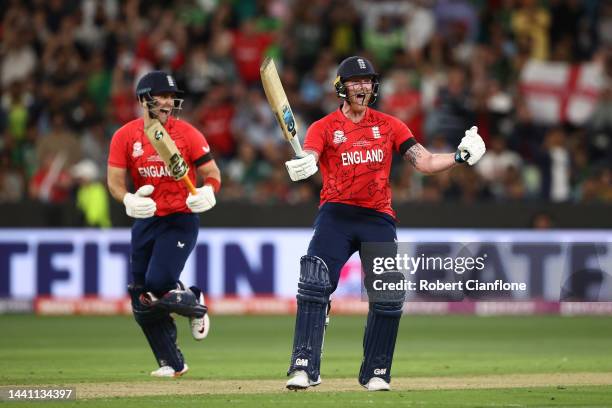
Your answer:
<point x="153" y="106"/>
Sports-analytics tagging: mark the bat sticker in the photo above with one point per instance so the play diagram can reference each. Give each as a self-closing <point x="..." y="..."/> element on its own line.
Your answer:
<point x="289" y="119"/>
<point x="178" y="167"/>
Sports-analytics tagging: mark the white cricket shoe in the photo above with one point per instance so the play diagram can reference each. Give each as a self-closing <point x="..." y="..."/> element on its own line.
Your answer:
<point x="167" y="371"/>
<point x="200" y="326"/>
<point x="377" y="384"/>
<point x="299" y="381"/>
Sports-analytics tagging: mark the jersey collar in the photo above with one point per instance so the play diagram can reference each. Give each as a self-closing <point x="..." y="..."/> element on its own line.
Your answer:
<point x="363" y="120"/>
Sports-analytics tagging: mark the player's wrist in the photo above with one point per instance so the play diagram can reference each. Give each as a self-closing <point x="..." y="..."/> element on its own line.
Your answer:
<point x="126" y="197"/>
<point x="458" y="158"/>
<point x="214" y="183"/>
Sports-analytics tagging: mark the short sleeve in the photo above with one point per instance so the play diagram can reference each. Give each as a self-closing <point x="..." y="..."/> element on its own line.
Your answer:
<point x="117" y="155"/>
<point x="403" y="139"/>
<point x="315" y="138"/>
<point x="200" y="150"/>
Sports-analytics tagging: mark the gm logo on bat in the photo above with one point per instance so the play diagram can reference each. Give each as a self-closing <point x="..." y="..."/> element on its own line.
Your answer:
<point x="158" y="135"/>
<point x="289" y="119"/>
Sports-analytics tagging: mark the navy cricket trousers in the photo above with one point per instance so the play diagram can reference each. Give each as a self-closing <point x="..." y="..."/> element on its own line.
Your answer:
<point x="340" y="229"/>
<point x="160" y="248"/>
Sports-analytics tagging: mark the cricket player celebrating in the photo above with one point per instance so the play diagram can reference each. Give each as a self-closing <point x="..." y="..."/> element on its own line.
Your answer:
<point x="353" y="146"/>
<point x="166" y="226"/>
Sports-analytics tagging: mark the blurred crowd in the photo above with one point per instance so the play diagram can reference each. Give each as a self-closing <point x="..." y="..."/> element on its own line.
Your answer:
<point x="68" y="71"/>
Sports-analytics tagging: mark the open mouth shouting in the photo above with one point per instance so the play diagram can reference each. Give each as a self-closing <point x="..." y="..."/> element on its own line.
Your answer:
<point x="361" y="97"/>
<point x="162" y="113"/>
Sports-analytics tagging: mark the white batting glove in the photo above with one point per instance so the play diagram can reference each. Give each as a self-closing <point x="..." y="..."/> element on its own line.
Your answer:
<point x="139" y="205"/>
<point x="300" y="169"/>
<point x="204" y="200"/>
<point x="471" y="148"/>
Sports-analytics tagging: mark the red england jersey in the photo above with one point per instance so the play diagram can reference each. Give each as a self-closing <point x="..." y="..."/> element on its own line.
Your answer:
<point x="130" y="149"/>
<point x="355" y="158"/>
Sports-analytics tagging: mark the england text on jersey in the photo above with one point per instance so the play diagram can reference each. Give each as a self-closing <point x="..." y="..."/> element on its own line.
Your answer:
<point x="358" y="157"/>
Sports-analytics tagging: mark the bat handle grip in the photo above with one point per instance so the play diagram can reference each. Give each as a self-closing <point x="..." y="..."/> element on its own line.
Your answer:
<point x="189" y="184"/>
<point x="297" y="147"/>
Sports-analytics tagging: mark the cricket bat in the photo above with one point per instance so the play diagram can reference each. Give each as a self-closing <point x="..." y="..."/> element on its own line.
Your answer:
<point x="169" y="153"/>
<point x="280" y="105"/>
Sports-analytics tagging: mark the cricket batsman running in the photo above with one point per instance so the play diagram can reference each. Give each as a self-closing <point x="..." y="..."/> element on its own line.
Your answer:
<point x="353" y="146"/>
<point x="166" y="223"/>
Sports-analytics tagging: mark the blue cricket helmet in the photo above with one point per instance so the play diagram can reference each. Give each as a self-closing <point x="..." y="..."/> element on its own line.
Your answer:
<point x="155" y="83"/>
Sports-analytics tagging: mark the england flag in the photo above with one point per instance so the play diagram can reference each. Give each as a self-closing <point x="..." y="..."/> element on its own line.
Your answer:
<point x="558" y="92"/>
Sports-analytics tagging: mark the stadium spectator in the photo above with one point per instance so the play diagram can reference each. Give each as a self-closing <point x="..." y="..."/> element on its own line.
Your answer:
<point x="254" y="122"/>
<point x="555" y="165"/>
<point x="12" y="186"/>
<point x="345" y="28"/>
<point x="531" y="24"/>
<point x="216" y="116"/>
<point x="420" y="25"/>
<point x="60" y="141"/>
<point x="542" y="221"/>
<point x="91" y="195"/>
<point x="404" y="102"/>
<point x="51" y="183"/>
<point x="94" y="144"/>
<point x="383" y="37"/>
<point x="248" y="48"/>
<point x="499" y="164"/>
<point x="18" y="57"/>
<point x="246" y="171"/>
<point x="307" y="34"/>
<point x="454" y="108"/>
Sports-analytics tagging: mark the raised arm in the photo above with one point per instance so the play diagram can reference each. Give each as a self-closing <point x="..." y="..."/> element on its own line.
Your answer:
<point x="428" y="163"/>
<point x="470" y="150"/>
